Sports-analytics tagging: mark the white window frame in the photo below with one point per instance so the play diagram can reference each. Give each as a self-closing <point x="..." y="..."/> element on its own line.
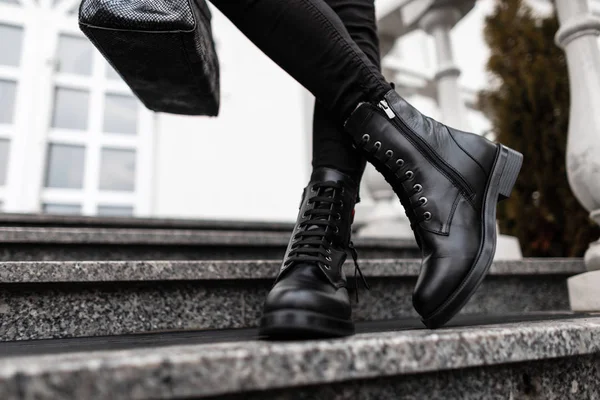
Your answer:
<point x="31" y="132"/>
<point x="13" y="15"/>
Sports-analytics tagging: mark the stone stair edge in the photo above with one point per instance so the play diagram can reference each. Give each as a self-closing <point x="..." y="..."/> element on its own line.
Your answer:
<point x="129" y="236"/>
<point x="49" y="220"/>
<point x="215" y="369"/>
<point x="127" y="271"/>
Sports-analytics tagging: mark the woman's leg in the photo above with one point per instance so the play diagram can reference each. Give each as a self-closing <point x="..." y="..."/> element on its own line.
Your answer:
<point x="309" y="41"/>
<point x="310" y="296"/>
<point x="331" y="145"/>
<point x="448" y="181"/>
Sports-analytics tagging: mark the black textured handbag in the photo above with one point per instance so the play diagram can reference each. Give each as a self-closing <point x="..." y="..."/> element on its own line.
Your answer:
<point x="163" y="49"/>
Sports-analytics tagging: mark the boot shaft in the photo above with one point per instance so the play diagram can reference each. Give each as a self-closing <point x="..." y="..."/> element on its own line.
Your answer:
<point x="432" y="168"/>
<point x="323" y="227"/>
<point x="465" y="158"/>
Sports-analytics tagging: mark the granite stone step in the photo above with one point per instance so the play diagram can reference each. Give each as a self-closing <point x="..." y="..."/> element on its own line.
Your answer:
<point x="72" y="299"/>
<point x="552" y="358"/>
<point x="113" y="243"/>
<point x="81" y="221"/>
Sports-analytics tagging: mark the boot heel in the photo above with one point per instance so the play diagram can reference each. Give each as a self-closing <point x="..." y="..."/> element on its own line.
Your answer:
<point x="514" y="160"/>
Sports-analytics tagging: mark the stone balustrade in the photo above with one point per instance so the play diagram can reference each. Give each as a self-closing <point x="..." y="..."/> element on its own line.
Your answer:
<point x="578" y="36"/>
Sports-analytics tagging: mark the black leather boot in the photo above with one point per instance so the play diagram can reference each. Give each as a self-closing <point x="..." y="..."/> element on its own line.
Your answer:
<point x="309" y="298"/>
<point x="449" y="183"/>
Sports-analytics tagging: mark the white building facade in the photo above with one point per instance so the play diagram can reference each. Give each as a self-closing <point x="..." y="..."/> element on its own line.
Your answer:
<point x="73" y="139"/>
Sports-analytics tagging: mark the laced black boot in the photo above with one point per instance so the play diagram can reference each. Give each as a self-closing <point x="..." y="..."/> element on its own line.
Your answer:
<point x="309" y="298"/>
<point x="449" y="183"/>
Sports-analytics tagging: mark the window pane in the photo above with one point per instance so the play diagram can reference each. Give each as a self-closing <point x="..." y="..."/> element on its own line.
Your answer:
<point x="70" y="109"/>
<point x="10" y="44"/>
<point x="111" y="73"/>
<point x="49" y="208"/>
<point x="4" y="148"/>
<point x="8" y="90"/>
<point x="74" y="55"/>
<point x="115" y="211"/>
<point x="120" y="114"/>
<point x="65" y="166"/>
<point x="117" y="169"/>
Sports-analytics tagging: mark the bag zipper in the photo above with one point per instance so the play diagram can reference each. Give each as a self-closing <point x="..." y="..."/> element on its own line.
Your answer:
<point x="423" y="146"/>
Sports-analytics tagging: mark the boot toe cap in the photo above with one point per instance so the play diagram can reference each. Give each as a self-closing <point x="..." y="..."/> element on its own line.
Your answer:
<point x="439" y="279"/>
<point x="331" y="302"/>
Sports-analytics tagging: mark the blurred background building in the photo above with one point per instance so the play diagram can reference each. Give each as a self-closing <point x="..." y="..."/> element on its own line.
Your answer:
<point x="74" y="140"/>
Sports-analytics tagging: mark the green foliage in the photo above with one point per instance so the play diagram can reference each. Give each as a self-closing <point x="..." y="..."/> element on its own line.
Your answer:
<point x="529" y="110"/>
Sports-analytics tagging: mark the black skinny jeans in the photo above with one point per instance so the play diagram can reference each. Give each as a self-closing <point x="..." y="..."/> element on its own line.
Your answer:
<point x="331" y="48"/>
<point x="331" y="146"/>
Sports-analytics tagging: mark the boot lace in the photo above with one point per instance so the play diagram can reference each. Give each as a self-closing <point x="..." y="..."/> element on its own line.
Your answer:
<point x="313" y="242"/>
<point x="357" y="269"/>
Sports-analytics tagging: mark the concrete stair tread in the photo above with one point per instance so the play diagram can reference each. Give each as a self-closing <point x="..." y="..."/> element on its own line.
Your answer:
<point x="113" y="235"/>
<point x="115" y="271"/>
<point x="96" y="235"/>
<point x="229" y="365"/>
<point x="213" y="336"/>
<point x="61" y="299"/>
<point x="76" y="243"/>
<point x="50" y="220"/>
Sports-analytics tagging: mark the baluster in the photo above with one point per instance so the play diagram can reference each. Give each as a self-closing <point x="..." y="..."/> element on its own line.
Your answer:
<point x="578" y="36"/>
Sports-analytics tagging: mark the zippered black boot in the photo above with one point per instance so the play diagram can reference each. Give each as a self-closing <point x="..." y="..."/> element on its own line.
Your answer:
<point x="309" y="298"/>
<point x="449" y="183"/>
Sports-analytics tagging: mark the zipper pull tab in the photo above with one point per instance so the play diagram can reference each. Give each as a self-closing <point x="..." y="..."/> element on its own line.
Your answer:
<point x="386" y="107"/>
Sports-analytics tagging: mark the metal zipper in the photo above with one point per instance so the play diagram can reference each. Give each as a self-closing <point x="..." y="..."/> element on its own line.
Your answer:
<point x="425" y="147"/>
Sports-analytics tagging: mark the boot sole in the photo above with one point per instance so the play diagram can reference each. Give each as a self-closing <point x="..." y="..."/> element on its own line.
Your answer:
<point x="293" y="324"/>
<point x="502" y="180"/>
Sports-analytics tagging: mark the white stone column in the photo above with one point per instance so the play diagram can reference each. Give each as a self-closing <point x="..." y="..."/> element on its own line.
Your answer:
<point x="578" y="36"/>
<point x="438" y="23"/>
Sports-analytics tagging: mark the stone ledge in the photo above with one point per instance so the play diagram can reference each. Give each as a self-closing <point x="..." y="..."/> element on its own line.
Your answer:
<point x="42" y="300"/>
<point x="584" y="291"/>
<point x="213" y="369"/>
<point x="120" y="236"/>
<point x="117" y="271"/>
<point x="566" y="378"/>
<point x="48" y="220"/>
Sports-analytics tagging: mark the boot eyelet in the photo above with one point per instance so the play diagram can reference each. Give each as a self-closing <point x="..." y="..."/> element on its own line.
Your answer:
<point x="417" y="188"/>
<point x="423" y="200"/>
<point x="409" y="174"/>
<point x="328" y="258"/>
<point x="377" y="145"/>
<point x="312" y="189"/>
<point x="400" y="162"/>
<point x="389" y="154"/>
<point x="328" y="251"/>
<point x="366" y="138"/>
<point x="427" y="215"/>
<point x="341" y="204"/>
<point x="304" y="215"/>
<point x="338" y="216"/>
<point x="337" y="230"/>
<point x="327" y="267"/>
